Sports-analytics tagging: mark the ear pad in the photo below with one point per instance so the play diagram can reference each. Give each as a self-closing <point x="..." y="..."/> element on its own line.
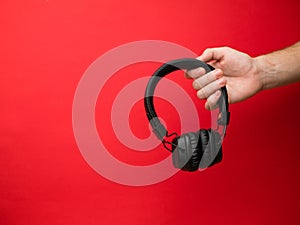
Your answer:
<point x="211" y="148"/>
<point x="194" y="150"/>
<point x="186" y="154"/>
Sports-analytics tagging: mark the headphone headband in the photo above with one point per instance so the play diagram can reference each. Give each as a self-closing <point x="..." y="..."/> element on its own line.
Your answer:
<point x="165" y="69"/>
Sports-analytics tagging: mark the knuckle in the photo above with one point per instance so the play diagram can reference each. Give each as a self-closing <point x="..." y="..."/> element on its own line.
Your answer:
<point x="209" y="102"/>
<point x="201" y="94"/>
<point x="192" y="73"/>
<point x="208" y="78"/>
<point x="209" y="105"/>
<point x="207" y="50"/>
<point x="196" y="84"/>
<point x="188" y="74"/>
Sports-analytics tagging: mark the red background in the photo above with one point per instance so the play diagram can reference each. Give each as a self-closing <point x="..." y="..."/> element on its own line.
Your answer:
<point x="45" y="48"/>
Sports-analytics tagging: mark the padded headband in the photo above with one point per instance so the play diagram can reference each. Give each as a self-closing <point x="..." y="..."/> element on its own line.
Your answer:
<point x="169" y="67"/>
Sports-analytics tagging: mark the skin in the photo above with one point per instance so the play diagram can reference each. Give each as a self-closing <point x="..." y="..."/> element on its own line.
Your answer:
<point x="244" y="76"/>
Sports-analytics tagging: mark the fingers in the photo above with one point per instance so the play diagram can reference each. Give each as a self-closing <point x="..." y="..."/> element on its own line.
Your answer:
<point x="209" y="83"/>
<point x="195" y="73"/>
<point x="208" y="87"/>
<point x="212" y="100"/>
<point x="211" y="88"/>
<point x="202" y="81"/>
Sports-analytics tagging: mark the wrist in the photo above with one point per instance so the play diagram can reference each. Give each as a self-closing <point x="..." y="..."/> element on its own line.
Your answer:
<point x="265" y="71"/>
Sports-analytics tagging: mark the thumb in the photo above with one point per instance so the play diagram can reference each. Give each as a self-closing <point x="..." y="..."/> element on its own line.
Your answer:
<point x="212" y="54"/>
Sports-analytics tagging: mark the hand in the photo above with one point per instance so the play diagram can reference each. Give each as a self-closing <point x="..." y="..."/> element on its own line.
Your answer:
<point x="234" y="69"/>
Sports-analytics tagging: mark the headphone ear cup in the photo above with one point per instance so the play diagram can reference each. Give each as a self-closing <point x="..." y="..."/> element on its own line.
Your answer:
<point x="217" y="152"/>
<point x="187" y="155"/>
<point x="211" y="147"/>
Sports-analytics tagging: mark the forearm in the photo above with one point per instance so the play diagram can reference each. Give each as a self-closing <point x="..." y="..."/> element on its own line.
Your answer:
<point x="279" y="68"/>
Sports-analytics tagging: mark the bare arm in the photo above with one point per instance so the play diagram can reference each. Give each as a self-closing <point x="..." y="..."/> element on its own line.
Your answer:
<point x="243" y="75"/>
<point x="279" y="68"/>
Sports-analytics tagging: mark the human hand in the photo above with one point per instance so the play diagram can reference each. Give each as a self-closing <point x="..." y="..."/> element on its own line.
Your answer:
<point x="234" y="69"/>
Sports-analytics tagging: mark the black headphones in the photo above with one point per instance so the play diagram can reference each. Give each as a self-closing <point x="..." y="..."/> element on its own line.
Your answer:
<point x="193" y="150"/>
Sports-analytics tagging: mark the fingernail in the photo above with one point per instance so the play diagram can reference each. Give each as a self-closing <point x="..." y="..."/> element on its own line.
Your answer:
<point x="218" y="73"/>
<point x="222" y="81"/>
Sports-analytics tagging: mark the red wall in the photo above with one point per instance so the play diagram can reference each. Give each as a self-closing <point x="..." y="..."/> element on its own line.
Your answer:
<point x="46" y="46"/>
